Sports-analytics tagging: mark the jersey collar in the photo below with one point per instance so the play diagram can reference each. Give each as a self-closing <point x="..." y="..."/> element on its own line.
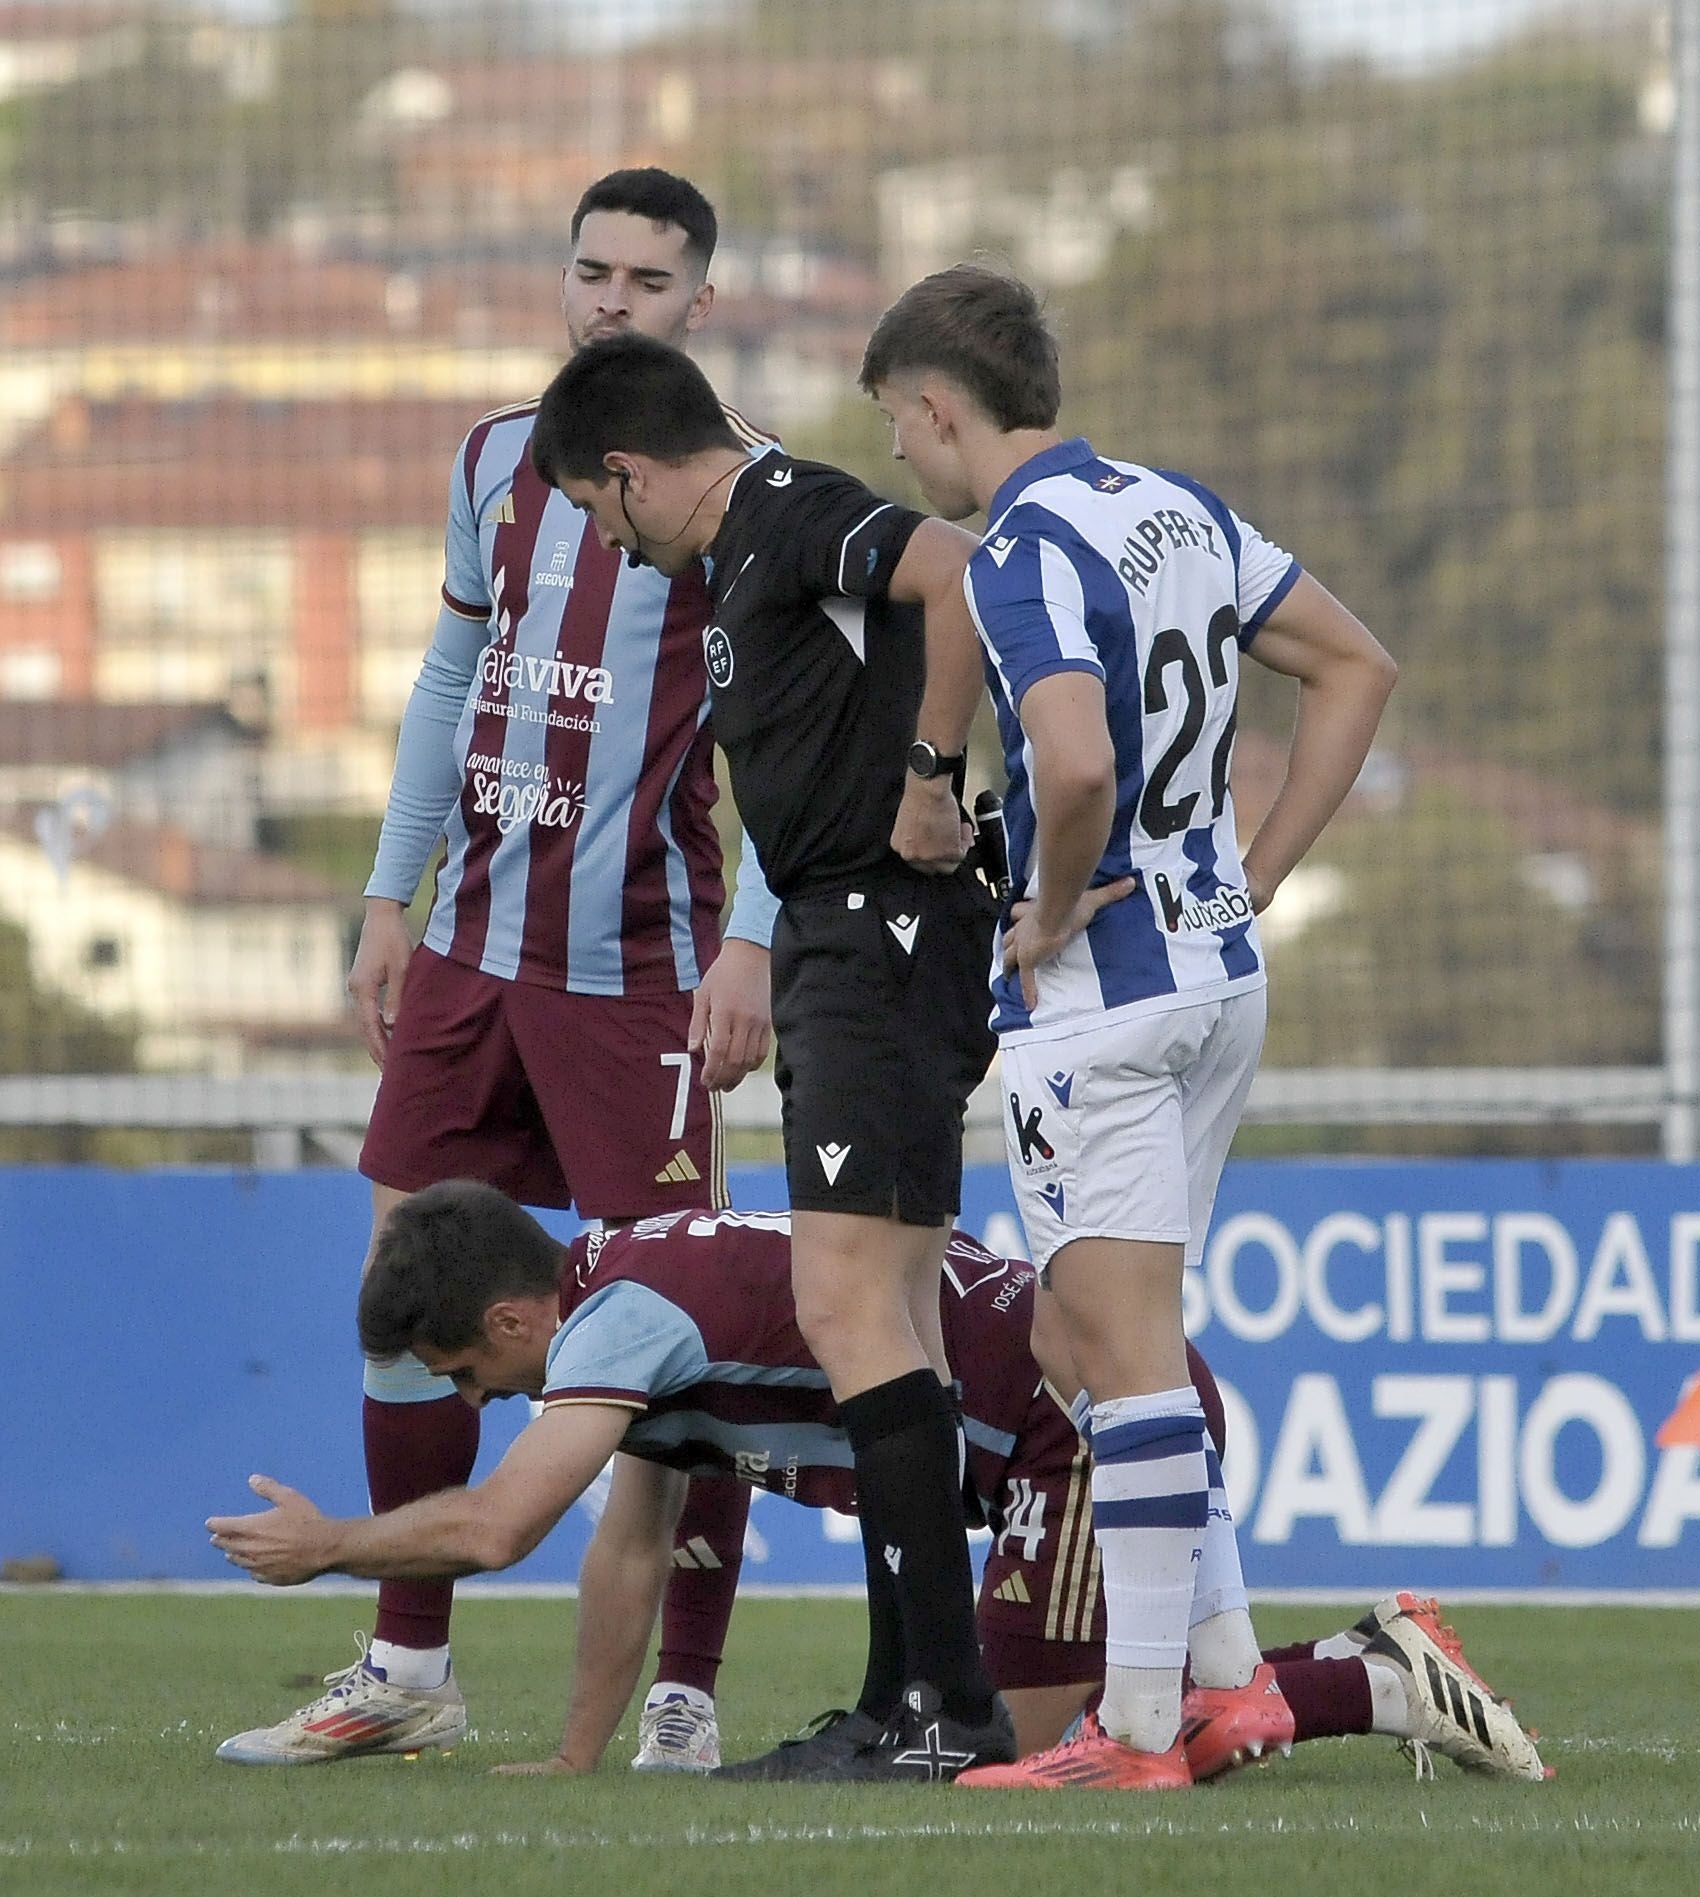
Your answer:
<point x="1073" y="453"/>
<point x="732" y="487"/>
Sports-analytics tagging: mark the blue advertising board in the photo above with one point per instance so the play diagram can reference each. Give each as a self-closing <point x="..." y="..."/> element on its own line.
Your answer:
<point x="1439" y="1374"/>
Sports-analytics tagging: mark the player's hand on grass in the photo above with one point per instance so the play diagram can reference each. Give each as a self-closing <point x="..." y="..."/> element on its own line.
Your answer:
<point x="930" y="834"/>
<point x="378" y="971"/>
<point x="731" y="1014"/>
<point x="553" y="1767"/>
<point x="1028" y="943"/>
<point x="288" y="1544"/>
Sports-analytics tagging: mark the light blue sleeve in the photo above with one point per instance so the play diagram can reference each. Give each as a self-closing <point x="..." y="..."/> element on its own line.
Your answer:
<point x="427" y="776"/>
<point x="755" y="908"/>
<point x="626" y="1343"/>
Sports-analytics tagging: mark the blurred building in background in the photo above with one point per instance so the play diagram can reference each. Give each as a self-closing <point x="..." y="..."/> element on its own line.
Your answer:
<point x="1402" y="298"/>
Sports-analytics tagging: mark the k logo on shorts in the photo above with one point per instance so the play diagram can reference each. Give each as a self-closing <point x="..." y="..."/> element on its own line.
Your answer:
<point x="1027" y="1132"/>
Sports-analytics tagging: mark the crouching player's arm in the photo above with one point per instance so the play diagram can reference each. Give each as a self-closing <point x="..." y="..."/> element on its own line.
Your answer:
<point x="620" y="1584"/>
<point x="457" y="1531"/>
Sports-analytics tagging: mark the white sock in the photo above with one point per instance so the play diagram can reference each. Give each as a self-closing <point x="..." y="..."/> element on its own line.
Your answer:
<point x="664" y="1690"/>
<point x="1223" y="1647"/>
<point x="1149" y="1490"/>
<point x="1142" y="1706"/>
<point x="409" y="1666"/>
<point x="1339" y="1647"/>
<point x="1390" y="1711"/>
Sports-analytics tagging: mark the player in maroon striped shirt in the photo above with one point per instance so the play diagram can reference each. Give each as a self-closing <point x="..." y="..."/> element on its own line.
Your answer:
<point x="564" y="1027"/>
<point x="676" y="1342"/>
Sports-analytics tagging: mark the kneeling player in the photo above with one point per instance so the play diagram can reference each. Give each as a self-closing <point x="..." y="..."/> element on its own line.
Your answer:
<point x="1399" y="1670"/>
<point x="675" y="1341"/>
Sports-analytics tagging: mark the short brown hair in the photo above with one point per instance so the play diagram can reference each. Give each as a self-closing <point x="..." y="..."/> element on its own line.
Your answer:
<point x="982" y="329"/>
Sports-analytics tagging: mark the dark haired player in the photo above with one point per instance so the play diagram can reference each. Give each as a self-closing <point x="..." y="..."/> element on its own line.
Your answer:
<point x="675" y="1340"/>
<point x="843" y="711"/>
<point x="563" y="1027"/>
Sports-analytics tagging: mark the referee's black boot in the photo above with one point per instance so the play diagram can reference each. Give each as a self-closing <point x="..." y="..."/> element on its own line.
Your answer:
<point x="922" y="1745"/>
<point x="819" y="1752"/>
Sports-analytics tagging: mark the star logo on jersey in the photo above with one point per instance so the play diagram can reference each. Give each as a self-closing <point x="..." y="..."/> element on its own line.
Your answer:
<point x="1061" y="1086"/>
<point x="1001" y="548"/>
<point x="717" y="653"/>
<point x="780" y="477"/>
<point x="905" y="929"/>
<point x="832" y="1157"/>
<point x="1111" y="483"/>
<point x="1053" y="1197"/>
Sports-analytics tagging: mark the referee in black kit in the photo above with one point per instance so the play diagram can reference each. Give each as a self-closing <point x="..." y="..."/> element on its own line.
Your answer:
<point x="846" y="672"/>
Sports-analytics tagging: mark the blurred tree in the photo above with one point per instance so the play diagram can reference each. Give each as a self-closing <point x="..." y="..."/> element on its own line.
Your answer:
<point x="146" y="140"/>
<point x="168" y="138"/>
<point x="1453" y="951"/>
<point x="43" y="1032"/>
<point x="309" y="142"/>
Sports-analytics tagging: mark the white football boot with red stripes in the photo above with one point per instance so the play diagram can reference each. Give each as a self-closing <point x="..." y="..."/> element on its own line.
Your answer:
<point x="362" y="1714"/>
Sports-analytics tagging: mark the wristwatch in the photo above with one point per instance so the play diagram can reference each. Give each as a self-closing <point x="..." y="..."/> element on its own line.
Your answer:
<point x="925" y="761"/>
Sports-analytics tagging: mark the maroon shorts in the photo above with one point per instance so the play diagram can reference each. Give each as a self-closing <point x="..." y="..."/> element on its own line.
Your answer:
<point x="557" y="1099"/>
<point x="1041" y="1609"/>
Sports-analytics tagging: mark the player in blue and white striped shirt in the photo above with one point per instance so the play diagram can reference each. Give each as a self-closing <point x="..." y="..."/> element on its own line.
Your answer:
<point x="1113" y="602"/>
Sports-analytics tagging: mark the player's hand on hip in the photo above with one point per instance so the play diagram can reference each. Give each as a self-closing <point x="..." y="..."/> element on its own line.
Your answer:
<point x="378" y="971"/>
<point x="1259" y="891"/>
<point x="930" y="834"/>
<point x="1028" y="942"/>
<point x="732" y="1014"/>
<point x="283" y="1547"/>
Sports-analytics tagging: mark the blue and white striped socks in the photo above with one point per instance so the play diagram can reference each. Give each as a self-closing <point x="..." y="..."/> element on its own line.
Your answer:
<point x="1150" y="1488"/>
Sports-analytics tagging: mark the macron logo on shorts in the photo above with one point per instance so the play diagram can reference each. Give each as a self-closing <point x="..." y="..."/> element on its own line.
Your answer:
<point x="832" y="1157"/>
<point x="1053" y="1197"/>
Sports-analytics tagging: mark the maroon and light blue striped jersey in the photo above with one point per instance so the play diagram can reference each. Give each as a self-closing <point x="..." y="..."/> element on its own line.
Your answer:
<point x="688" y="1321"/>
<point x="581" y="849"/>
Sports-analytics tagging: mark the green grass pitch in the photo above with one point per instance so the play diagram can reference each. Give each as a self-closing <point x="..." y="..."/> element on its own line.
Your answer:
<point x="110" y="1707"/>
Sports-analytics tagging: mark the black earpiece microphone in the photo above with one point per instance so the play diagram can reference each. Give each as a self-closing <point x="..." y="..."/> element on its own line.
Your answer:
<point x="634" y="559"/>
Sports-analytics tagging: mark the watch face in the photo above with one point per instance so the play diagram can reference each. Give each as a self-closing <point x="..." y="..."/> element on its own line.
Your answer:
<point x="923" y="759"/>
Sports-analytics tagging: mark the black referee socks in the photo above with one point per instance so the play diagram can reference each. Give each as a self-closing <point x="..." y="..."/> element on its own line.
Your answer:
<point x="903" y="1437"/>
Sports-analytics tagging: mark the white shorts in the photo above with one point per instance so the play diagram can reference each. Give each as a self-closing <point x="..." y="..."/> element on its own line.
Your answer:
<point x="1120" y="1129"/>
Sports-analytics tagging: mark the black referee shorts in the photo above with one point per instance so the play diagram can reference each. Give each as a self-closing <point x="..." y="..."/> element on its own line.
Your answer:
<point x="880" y="1004"/>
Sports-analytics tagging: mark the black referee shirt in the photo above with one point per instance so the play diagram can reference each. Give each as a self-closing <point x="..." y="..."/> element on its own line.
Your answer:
<point x="817" y="675"/>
